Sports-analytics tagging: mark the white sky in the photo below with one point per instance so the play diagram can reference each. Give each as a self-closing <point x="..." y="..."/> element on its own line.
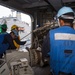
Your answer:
<point x="5" y="12"/>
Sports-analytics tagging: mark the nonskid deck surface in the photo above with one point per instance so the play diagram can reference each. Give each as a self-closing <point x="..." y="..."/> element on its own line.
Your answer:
<point x="14" y="55"/>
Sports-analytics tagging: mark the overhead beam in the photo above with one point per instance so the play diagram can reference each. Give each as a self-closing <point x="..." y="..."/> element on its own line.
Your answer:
<point x="5" y="0"/>
<point x="65" y="1"/>
<point x="14" y="5"/>
<point x="35" y="4"/>
<point x="57" y="4"/>
<point x="50" y="5"/>
<point x="10" y="3"/>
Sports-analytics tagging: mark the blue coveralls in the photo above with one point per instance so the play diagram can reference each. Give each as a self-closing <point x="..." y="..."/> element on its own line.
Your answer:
<point x="62" y="50"/>
<point x="3" y="46"/>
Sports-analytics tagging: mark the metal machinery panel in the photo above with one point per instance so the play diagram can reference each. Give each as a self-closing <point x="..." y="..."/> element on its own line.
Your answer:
<point x="4" y="70"/>
<point x="21" y="67"/>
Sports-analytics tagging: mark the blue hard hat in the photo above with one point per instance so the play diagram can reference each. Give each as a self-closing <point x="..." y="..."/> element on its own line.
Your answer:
<point x="64" y="10"/>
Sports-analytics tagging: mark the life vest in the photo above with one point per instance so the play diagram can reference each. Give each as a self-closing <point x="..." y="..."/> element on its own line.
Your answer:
<point x="62" y="50"/>
<point x="16" y="45"/>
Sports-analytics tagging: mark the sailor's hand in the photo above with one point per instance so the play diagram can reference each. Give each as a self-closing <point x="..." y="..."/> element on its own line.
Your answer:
<point x="25" y="42"/>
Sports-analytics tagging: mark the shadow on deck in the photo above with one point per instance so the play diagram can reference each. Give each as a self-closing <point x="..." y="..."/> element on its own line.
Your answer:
<point x="41" y="70"/>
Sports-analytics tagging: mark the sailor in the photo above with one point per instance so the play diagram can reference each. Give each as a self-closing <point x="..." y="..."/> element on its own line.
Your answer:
<point x="62" y="44"/>
<point x="8" y="37"/>
<point x="3" y="33"/>
<point x="16" y="40"/>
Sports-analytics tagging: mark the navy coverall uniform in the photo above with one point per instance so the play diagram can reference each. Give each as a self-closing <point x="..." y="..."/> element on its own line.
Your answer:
<point x="62" y="50"/>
